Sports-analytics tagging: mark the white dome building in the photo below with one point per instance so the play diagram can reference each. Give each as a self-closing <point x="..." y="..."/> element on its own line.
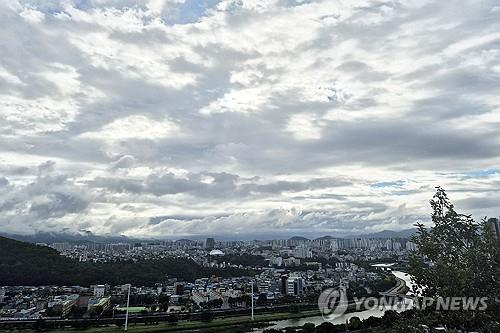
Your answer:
<point x="216" y="253"/>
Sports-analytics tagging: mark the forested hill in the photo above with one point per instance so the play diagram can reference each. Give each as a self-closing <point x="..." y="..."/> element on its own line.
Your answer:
<point x="28" y="264"/>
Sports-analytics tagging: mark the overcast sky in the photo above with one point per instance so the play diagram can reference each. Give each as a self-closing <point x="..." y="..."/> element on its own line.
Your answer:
<point x="172" y="118"/>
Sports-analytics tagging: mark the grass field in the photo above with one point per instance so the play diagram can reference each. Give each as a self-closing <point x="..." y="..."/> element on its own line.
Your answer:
<point x="223" y="324"/>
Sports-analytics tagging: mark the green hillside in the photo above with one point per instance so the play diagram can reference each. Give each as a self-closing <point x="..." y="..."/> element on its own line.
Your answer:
<point x="28" y="264"/>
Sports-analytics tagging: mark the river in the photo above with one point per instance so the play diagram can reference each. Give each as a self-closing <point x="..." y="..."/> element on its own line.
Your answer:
<point x="317" y="320"/>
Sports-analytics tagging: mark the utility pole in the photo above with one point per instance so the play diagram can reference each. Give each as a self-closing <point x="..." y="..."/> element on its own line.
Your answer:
<point x="252" y="300"/>
<point x="128" y="303"/>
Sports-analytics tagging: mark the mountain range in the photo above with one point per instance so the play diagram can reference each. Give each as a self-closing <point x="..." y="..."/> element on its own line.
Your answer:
<point x="80" y="237"/>
<point x="87" y="236"/>
<point x="406" y="233"/>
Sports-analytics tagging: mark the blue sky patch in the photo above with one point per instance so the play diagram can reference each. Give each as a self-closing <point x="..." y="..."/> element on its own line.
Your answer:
<point x="395" y="183"/>
<point x="481" y="173"/>
<point x="190" y="11"/>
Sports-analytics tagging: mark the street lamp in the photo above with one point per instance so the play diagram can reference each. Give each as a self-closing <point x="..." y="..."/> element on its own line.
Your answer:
<point x="252" y="300"/>
<point x="128" y="303"/>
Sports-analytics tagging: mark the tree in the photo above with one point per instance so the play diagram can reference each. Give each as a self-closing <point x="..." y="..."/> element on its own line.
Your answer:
<point x="309" y="328"/>
<point x="325" y="327"/>
<point x="389" y="318"/>
<point x="371" y="322"/>
<point x="163" y="301"/>
<point x="262" y="299"/>
<point x="354" y="323"/>
<point x="456" y="256"/>
<point x="28" y="264"/>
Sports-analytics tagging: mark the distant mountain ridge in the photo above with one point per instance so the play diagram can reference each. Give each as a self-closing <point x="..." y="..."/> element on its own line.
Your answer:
<point x="49" y="237"/>
<point x="325" y="238"/>
<point x="299" y="238"/>
<point x="406" y="233"/>
<point x="87" y="236"/>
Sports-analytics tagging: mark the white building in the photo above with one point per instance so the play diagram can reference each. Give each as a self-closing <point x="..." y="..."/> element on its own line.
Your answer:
<point x="291" y="261"/>
<point x="61" y="247"/>
<point x="199" y="296"/>
<point x="294" y="286"/>
<point x="410" y="246"/>
<point x="302" y="251"/>
<point x="216" y="253"/>
<point x="99" y="290"/>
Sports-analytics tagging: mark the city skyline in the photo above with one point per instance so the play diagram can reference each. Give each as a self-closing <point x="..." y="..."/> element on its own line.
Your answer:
<point x="84" y="237"/>
<point x="233" y="118"/>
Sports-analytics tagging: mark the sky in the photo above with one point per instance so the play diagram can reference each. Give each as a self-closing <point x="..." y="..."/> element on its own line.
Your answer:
<point x="247" y="118"/>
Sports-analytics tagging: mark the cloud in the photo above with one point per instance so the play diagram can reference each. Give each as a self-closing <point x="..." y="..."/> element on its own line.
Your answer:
<point x="126" y="161"/>
<point x="211" y="185"/>
<point x="41" y="204"/>
<point x="4" y="182"/>
<point x="134" y="127"/>
<point x="275" y="116"/>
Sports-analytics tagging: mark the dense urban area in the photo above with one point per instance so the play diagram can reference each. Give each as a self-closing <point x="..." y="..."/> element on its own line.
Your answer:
<point x="283" y="272"/>
<point x="197" y="281"/>
<point x="288" y="271"/>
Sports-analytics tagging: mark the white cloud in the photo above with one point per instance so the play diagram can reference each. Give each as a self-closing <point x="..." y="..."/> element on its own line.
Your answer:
<point x="9" y="77"/>
<point x="242" y="100"/>
<point x="30" y="116"/>
<point x="239" y="116"/>
<point x="32" y="15"/>
<point x="135" y="127"/>
<point x="304" y="127"/>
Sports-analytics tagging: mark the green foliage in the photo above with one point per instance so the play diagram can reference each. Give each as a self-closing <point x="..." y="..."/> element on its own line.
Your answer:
<point x="354" y="323"/>
<point x="457" y="256"/>
<point x="28" y="264"/>
<point x="244" y="259"/>
<point x="309" y="328"/>
<point x="325" y="327"/>
<point x="262" y="299"/>
<point x="386" y="282"/>
<point x="212" y="304"/>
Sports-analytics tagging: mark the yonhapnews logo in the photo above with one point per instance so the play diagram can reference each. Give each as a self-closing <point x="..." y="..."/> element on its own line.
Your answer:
<point x="332" y="303"/>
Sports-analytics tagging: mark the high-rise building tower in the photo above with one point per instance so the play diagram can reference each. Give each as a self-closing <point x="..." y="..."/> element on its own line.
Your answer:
<point x="294" y="286"/>
<point x="284" y="279"/>
<point x="210" y="244"/>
